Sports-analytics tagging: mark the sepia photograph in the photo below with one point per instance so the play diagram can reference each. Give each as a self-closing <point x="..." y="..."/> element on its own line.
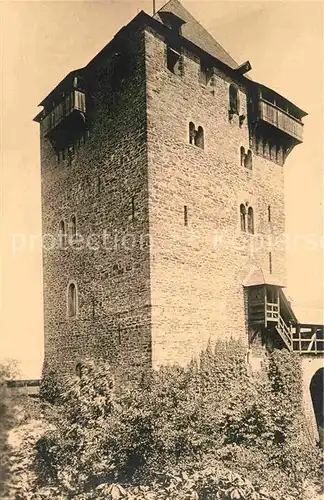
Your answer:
<point x="161" y="250"/>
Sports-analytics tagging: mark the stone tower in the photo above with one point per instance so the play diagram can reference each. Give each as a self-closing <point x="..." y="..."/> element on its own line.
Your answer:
<point x="162" y="169"/>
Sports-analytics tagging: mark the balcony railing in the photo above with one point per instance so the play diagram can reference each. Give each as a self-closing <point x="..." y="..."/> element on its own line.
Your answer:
<point x="280" y="119"/>
<point x="73" y="101"/>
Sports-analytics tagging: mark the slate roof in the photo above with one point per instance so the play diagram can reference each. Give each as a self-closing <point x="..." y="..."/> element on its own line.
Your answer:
<point x="193" y="31"/>
<point x="257" y="276"/>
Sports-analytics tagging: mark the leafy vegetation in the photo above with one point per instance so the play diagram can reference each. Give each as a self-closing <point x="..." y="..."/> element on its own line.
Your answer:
<point x="209" y="430"/>
<point x="7" y="370"/>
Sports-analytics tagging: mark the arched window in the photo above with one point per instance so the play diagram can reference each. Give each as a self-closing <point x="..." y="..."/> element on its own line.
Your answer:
<point x="72" y="300"/>
<point x="243" y="217"/>
<point x="192" y="133"/>
<point x="73" y="229"/>
<point x="199" y="138"/>
<point x="242" y="155"/>
<point x="248" y="159"/>
<point x="250" y="220"/>
<point x="62" y="235"/>
<point x="233" y="99"/>
<point x="78" y="370"/>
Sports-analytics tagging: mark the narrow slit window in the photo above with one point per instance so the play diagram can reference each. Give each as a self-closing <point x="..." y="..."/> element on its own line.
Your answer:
<point x="243" y="217"/>
<point x="270" y="262"/>
<point x="242" y="155"/>
<point x="73" y="228"/>
<point x="72" y="300"/>
<point x="185" y="215"/>
<point x="133" y="208"/>
<point x="199" y="138"/>
<point x="269" y="213"/>
<point x="192" y="133"/>
<point x="250" y="220"/>
<point x="248" y="160"/>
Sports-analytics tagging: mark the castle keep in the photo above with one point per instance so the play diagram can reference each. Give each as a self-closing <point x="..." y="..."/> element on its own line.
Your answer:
<point x="162" y="169"/>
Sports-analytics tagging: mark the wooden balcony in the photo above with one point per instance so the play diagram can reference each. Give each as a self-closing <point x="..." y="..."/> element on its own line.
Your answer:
<point x="282" y="120"/>
<point x="72" y="104"/>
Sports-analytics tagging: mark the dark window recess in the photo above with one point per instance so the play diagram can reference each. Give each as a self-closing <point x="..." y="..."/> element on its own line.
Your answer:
<point x="242" y="156"/>
<point x="174" y="61"/>
<point x="78" y="370"/>
<point x="133" y="208"/>
<point x="72" y="300"/>
<point x="243" y="217"/>
<point x="185" y="215"/>
<point x="269" y="213"/>
<point x="196" y="137"/>
<point x="205" y="73"/>
<point x="73" y="229"/>
<point x="248" y="160"/>
<point x="250" y="217"/>
<point x="270" y="262"/>
<point x="192" y="133"/>
<point x="199" y="139"/>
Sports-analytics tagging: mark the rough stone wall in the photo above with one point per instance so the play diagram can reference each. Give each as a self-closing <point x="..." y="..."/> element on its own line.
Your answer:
<point x="197" y="271"/>
<point x="111" y="270"/>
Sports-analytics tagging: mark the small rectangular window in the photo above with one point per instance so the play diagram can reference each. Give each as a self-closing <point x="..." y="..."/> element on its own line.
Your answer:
<point x="185" y="215"/>
<point x="174" y="61"/>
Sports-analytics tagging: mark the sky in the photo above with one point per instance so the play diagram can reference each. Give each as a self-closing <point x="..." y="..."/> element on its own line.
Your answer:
<point x="40" y="42"/>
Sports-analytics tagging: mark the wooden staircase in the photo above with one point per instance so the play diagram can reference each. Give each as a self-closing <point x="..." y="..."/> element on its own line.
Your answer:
<point x="284" y="332"/>
<point x="270" y="311"/>
<point x="302" y="338"/>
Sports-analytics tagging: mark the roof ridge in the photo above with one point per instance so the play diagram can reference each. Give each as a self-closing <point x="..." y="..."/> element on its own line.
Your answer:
<point x="194" y="31"/>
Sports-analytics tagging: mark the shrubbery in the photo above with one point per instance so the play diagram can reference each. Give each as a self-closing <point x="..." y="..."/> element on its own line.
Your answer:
<point x="213" y="415"/>
<point x="7" y="370"/>
<point x="51" y="387"/>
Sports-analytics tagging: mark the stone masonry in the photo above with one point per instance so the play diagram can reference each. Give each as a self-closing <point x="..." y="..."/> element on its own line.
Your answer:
<point x="159" y="259"/>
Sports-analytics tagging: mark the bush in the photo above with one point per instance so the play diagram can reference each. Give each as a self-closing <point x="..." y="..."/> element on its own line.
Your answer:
<point x="51" y="387"/>
<point x="184" y="419"/>
<point x="7" y="370"/>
